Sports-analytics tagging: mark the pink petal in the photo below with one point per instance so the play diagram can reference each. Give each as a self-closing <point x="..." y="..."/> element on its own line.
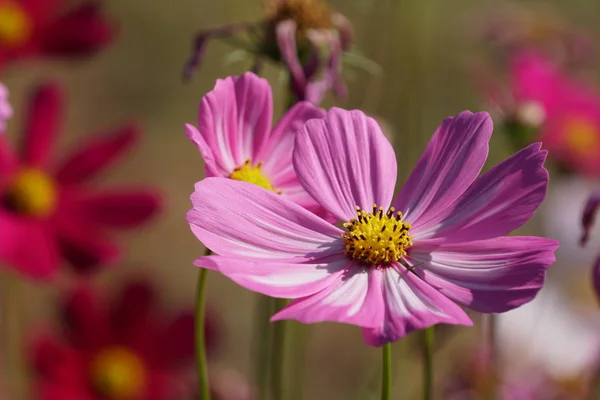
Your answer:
<point x="235" y="118"/>
<point x="344" y="161"/>
<point x="411" y="304"/>
<point x="277" y="279"/>
<point x="96" y="155"/>
<point x="498" y="202"/>
<point x="239" y="219"/>
<point x="277" y="153"/>
<point x="211" y="167"/>
<point x="354" y="297"/>
<point x="132" y="313"/>
<point x="176" y="342"/>
<point x="123" y="209"/>
<point x="286" y="41"/>
<point x="43" y="125"/>
<point x="490" y="276"/>
<point x="451" y="162"/>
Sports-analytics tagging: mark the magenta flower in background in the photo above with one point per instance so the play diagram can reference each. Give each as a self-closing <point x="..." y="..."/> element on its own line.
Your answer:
<point x="127" y="348"/>
<point x="236" y="139"/>
<point x="6" y="110"/>
<point x="49" y="28"/>
<point x="395" y="266"/>
<point x="587" y="221"/>
<point x="543" y="103"/>
<point x="52" y="211"/>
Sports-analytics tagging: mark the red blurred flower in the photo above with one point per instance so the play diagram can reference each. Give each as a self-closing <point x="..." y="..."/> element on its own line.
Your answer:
<point x="31" y="28"/>
<point x="122" y="350"/>
<point x="51" y="211"/>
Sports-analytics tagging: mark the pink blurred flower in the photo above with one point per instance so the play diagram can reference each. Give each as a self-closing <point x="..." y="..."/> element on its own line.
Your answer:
<point x="236" y="140"/>
<point x="390" y="270"/>
<point x="124" y="349"/>
<point x="42" y="28"/>
<point x="52" y="211"/>
<point x="568" y="112"/>
<point x="6" y="110"/>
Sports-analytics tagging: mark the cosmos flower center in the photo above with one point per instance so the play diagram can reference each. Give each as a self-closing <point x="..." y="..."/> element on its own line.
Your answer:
<point x="15" y="25"/>
<point x="118" y="374"/>
<point x="581" y="136"/>
<point x="31" y="192"/>
<point x="308" y="14"/>
<point x="377" y="238"/>
<point x="253" y="174"/>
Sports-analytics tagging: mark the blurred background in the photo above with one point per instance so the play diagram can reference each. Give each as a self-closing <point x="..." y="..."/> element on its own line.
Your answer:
<point x="425" y="52"/>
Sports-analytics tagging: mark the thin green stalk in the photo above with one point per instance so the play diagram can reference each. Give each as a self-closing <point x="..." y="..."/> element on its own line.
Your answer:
<point x="202" y="365"/>
<point x="491" y="345"/>
<point x="263" y="339"/>
<point x="428" y="338"/>
<point x="386" y="372"/>
<point x="278" y="365"/>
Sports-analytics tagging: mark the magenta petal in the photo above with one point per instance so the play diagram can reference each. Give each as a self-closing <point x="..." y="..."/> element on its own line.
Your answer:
<point x="344" y="161"/>
<point x="286" y="41"/>
<point x="490" y="276"/>
<point x="235" y="119"/>
<point x="239" y="219"/>
<point x="355" y="297"/>
<point x="277" y="279"/>
<point x="86" y="320"/>
<point x="123" y="209"/>
<point x="589" y="215"/>
<point x="96" y="155"/>
<point x="411" y="304"/>
<point x="43" y="125"/>
<point x="498" y="202"/>
<point x="451" y="162"/>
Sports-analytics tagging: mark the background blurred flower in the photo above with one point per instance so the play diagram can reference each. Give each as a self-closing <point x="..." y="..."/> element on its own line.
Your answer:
<point x="50" y="211"/>
<point x="124" y="349"/>
<point x="236" y="138"/>
<point x="6" y="110"/>
<point x="34" y="28"/>
<point x="306" y="36"/>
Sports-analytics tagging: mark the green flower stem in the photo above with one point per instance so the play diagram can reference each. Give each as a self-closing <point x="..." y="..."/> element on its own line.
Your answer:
<point x="263" y="340"/>
<point x="202" y="366"/>
<point x="428" y="338"/>
<point x="278" y="358"/>
<point x="386" y="372"/>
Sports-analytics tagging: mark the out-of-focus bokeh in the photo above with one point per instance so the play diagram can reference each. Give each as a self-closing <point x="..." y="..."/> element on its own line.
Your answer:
<point x="426" y="51"/>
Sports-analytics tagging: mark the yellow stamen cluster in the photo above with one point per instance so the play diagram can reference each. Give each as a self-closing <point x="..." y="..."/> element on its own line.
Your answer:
<point x="118" y="374"/>
<point x="31" y="192"/>
<point x="15" y="25"/>
<point x="308" y="14"/>
<point x="377" y="238"/>
<point x="253" y="174"/>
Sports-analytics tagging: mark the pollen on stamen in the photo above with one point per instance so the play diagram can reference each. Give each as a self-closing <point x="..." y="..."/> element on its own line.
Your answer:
<point x="377" y="238"/>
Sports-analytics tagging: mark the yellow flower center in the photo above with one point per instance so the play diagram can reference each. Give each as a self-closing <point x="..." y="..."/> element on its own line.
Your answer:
<point x="15" y="25"/>
<point x="377" y="238"/>
<point x="582" y="136"/>
<point x="31" y="192"/>
<point x="308" y="14"/>
<point x="253" y="174"/>
<point x="118" y="374"/>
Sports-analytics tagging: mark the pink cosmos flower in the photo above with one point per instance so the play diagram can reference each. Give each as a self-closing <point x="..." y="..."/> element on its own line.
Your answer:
<point x="235" y="138"/>
<point x="52" y="211"/>
<point x="566" y="112"/>
<point x="396" y="265"/>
